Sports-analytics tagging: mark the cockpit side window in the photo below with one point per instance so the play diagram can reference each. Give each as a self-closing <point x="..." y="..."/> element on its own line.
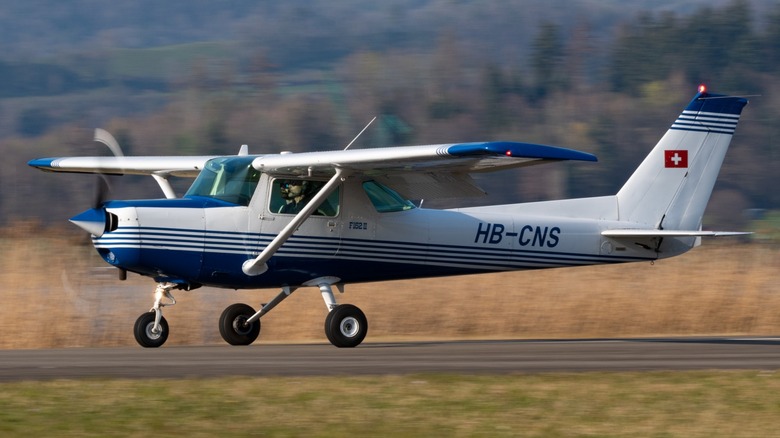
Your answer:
<point x="385" y="199"/>
<point x="289" y="196"/>
<point x="230" y="179"/>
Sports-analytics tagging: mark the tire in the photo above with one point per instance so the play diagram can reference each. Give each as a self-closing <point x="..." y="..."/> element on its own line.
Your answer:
<point x="143" y="331"/>
<point x="346" y="326"/>
<point x="231" y="325"/>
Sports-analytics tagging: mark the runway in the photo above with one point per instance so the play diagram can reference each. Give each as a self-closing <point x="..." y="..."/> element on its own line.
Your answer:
<point x="511" y="356"/>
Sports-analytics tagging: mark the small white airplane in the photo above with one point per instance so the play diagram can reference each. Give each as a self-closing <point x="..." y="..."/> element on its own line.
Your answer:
<point x="324" y="219"/>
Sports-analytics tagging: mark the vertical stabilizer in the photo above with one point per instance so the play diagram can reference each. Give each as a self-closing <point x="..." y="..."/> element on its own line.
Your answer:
<point x="672" y="186"/>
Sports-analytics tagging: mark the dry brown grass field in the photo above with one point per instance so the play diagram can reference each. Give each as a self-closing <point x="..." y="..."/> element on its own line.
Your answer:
<point x="56" y="292"/>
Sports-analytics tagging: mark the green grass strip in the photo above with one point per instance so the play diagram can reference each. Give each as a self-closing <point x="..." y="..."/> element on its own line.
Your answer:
<point x="690" y="404"/>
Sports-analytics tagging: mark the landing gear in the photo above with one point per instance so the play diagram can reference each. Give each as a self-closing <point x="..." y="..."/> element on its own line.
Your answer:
<point x="233" y="325"/>
<point x="346" y="326"/>
<point x="151" y="329"/>
<point x="145" y="332"/>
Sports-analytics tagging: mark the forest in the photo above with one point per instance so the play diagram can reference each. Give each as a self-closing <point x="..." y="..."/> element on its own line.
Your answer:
<point x="206" y="77"/>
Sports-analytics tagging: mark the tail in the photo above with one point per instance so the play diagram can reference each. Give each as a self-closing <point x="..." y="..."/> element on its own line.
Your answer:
<point x="671" y="188"/>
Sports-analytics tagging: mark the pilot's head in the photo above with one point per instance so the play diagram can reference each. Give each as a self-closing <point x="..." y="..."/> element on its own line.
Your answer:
<point x="291" y="188"/>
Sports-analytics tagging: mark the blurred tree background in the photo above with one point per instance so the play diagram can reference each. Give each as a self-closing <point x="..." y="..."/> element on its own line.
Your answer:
<point x="204" y="77"/>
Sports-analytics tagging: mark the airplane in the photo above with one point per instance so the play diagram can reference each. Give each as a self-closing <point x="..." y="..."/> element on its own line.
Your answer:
<point x="330" y="218"/>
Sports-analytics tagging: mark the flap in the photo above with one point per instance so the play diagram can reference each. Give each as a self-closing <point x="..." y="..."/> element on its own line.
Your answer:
<point x="427" y="185"/>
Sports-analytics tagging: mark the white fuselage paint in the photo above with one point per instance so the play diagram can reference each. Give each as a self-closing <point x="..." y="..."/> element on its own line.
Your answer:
<point x="208" y="245"/>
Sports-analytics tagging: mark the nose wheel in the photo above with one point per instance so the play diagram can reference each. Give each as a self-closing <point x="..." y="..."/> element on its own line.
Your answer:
<point x="151" y="328"/>
<point x="146" y="334"/>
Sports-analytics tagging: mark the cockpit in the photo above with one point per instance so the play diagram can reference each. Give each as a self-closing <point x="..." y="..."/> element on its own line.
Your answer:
<point x="230" y="179"/>
<point x="233" y="179"/>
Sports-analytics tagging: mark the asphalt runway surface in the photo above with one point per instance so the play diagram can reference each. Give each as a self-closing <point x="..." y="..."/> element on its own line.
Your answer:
<point x="511" y="356"/>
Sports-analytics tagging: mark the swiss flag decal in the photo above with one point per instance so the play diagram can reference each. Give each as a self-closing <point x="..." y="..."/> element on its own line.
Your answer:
<point x="676" y="158"/>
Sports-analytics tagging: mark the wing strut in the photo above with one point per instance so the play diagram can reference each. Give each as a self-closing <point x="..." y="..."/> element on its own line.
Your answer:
<point x="165" y="185"/>
<point x="258" y="266"/>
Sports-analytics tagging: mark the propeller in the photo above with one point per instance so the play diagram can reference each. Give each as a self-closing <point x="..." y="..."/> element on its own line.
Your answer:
<point x="101" y="191"/>
<point x="97" y="220"/>
<point x="103" y="185"/>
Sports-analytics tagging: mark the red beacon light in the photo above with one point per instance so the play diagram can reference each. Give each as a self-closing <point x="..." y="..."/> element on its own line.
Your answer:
<point x="702" y="88"/>
<point x="508" y="153"/>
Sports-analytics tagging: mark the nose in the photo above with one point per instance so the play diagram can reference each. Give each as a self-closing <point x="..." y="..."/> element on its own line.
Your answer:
<point x="96" y="221"/>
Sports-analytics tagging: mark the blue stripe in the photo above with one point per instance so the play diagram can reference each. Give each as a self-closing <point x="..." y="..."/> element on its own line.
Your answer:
<point x="706" y="122"/>
<point x="517" y="150"/>
<point x="255" y="242"/>
<point x="711" y="113"/>
<point x="251" y="244"/>
<point x="188" y="202"/>
<point x="297" y="269"/>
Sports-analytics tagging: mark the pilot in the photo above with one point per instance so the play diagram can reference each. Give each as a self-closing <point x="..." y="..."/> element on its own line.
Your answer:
<point x="295" y="194"/>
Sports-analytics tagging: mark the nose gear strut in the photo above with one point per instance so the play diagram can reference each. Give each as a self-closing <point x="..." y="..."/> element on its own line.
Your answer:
<point x="151" y="328"/>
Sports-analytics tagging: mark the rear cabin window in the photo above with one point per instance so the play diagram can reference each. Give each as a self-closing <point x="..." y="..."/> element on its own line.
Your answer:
<point x="385" y="199"/>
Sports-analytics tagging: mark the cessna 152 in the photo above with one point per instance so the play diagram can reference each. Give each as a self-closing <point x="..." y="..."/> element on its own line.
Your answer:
<point x="324" y="219"/>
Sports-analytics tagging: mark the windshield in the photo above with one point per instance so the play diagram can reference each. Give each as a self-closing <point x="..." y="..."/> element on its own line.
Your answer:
<point x="231" y="179"/>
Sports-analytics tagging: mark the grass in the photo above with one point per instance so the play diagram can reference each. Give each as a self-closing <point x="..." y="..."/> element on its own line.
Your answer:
<point x="57" y="293"/>
<point x="767" y="228"/>
<point x="690" y="404"/>
<point x="54" y="296"/>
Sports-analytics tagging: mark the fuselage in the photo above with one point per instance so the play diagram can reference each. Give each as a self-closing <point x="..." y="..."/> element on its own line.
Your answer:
<point x="204" y="241"/>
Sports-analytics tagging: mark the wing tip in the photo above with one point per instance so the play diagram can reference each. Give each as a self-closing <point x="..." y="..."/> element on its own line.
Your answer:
<point x="519" y="150"/>
<point x="43" y="163"/>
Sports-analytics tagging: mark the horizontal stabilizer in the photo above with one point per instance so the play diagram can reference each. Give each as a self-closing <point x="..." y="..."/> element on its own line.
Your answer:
<point x="670" y="233"/>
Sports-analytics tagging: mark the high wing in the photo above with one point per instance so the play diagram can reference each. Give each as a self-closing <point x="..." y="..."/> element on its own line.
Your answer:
<point x="416" y="172"/>
<point x="460" y="157"/>
<point x="160" y="168"/>
<point x="174" y="166"/>
<point x="419" y="172"/>
<point x="448" y="158"/>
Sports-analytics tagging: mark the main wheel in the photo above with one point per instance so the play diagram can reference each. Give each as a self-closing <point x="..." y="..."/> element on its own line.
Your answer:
<point x="346" y="326"/>
<point x="144" y="333"/>
<point x="233" y="326"/>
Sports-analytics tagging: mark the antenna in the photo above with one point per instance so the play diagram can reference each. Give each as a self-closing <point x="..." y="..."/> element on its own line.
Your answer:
<point x="361" y="131"/>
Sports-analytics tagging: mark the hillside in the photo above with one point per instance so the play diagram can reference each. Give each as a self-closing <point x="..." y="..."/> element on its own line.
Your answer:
<point x="206" y="77"/>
